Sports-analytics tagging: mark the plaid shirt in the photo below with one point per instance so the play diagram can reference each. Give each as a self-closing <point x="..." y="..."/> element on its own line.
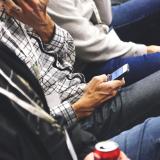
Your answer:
<point x="52" y="63"/>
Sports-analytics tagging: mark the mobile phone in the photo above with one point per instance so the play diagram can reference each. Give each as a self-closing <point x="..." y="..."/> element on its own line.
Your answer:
<point x="119" y="73"/>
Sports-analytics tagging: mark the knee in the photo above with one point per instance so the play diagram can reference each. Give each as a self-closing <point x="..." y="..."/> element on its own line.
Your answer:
<point x="152" y="128"/>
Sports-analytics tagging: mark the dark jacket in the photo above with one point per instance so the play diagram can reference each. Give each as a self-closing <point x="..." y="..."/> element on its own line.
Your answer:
<point x="24" y="136"/>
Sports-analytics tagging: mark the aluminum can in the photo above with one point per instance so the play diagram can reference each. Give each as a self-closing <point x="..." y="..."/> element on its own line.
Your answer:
<point x="106" y="150"/>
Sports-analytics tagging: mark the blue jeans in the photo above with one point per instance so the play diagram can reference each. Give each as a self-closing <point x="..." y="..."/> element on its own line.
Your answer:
<point x="140" y="67"/>
<point x="141" y="142"/>
<point x="138" y="21"/>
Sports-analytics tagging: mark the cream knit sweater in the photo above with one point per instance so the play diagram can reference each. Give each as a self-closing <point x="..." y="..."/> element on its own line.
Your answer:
<point x="92" y="42"/>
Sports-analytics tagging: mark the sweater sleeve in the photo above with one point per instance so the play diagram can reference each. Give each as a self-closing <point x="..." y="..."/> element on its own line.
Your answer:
<point x="92" y="43"/>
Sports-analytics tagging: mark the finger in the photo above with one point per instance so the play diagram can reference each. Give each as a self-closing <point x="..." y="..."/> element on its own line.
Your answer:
<point x="89" y="157"/>
<point x="120" y="81"/>
<point x="111" y="85"/>
<point x="39" y="5"/>
<point x="26" y="6"/>
<point x="111" y="94"/>
<point x="123" y="156"/>
<point x="11" y="7"/>
<point x="114" y="93"/>
<point x="116" y="84"/>
<point x="33" y="4"/>
<point x="1" y="5"/>
<point x="123" y="81"/>
<point x="98" y="79"/>
<point x="108" y="97"/>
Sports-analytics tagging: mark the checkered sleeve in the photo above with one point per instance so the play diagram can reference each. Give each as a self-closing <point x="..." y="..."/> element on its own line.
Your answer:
<point x="66" y="110"/>
<point x="60" y="45"/>
<point x="60" y="77"/>
<point x="60" y="39"/>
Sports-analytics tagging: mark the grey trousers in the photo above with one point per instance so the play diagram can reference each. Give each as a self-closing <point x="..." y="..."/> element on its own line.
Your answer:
<point x="131" y="106"/>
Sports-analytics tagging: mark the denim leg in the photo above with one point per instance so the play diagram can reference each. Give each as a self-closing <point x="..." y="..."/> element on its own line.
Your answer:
<point x="131" y="106"/>
<point x="133" y="10"/>
<point x="138" y="21"/>
<point x="141" y="142"/>
<point x="140" y="67"/>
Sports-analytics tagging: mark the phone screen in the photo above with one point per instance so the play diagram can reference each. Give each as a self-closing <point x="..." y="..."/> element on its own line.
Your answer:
<point x="119" y="73"/>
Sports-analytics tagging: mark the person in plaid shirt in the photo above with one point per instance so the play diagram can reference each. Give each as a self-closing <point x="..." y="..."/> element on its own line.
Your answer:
<point x="102" y="107"/>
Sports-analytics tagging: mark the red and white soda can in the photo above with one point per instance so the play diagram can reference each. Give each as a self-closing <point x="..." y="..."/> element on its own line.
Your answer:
<point x="106" y="150"/>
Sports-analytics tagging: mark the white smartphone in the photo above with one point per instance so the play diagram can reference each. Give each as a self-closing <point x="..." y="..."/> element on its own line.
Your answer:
<point x="119" y="73"/>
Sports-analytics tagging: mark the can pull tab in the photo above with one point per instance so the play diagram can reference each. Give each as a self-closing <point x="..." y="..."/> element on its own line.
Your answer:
<point x="102" y="147"/>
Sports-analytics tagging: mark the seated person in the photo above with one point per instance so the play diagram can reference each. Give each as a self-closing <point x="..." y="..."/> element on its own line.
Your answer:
<point x="99" y="49"/>
<point x="26" y="135"/>
<point x="102" y="107"/>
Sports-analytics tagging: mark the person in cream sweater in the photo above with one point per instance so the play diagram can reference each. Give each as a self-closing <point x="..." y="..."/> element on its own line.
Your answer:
<point x="98" y="48"/>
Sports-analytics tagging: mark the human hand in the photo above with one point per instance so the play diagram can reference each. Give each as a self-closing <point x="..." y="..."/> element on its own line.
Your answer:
<point x="32" y="13"/>
<point x="123" y="156"/>
<point x="90" y="156"/>
<point x="1" y="5"/>
<point x="153" y="49"/>
<point x="97" y="91"/>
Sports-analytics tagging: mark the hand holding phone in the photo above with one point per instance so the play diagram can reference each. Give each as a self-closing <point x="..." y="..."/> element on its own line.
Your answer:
<point x="119" y="73"/>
